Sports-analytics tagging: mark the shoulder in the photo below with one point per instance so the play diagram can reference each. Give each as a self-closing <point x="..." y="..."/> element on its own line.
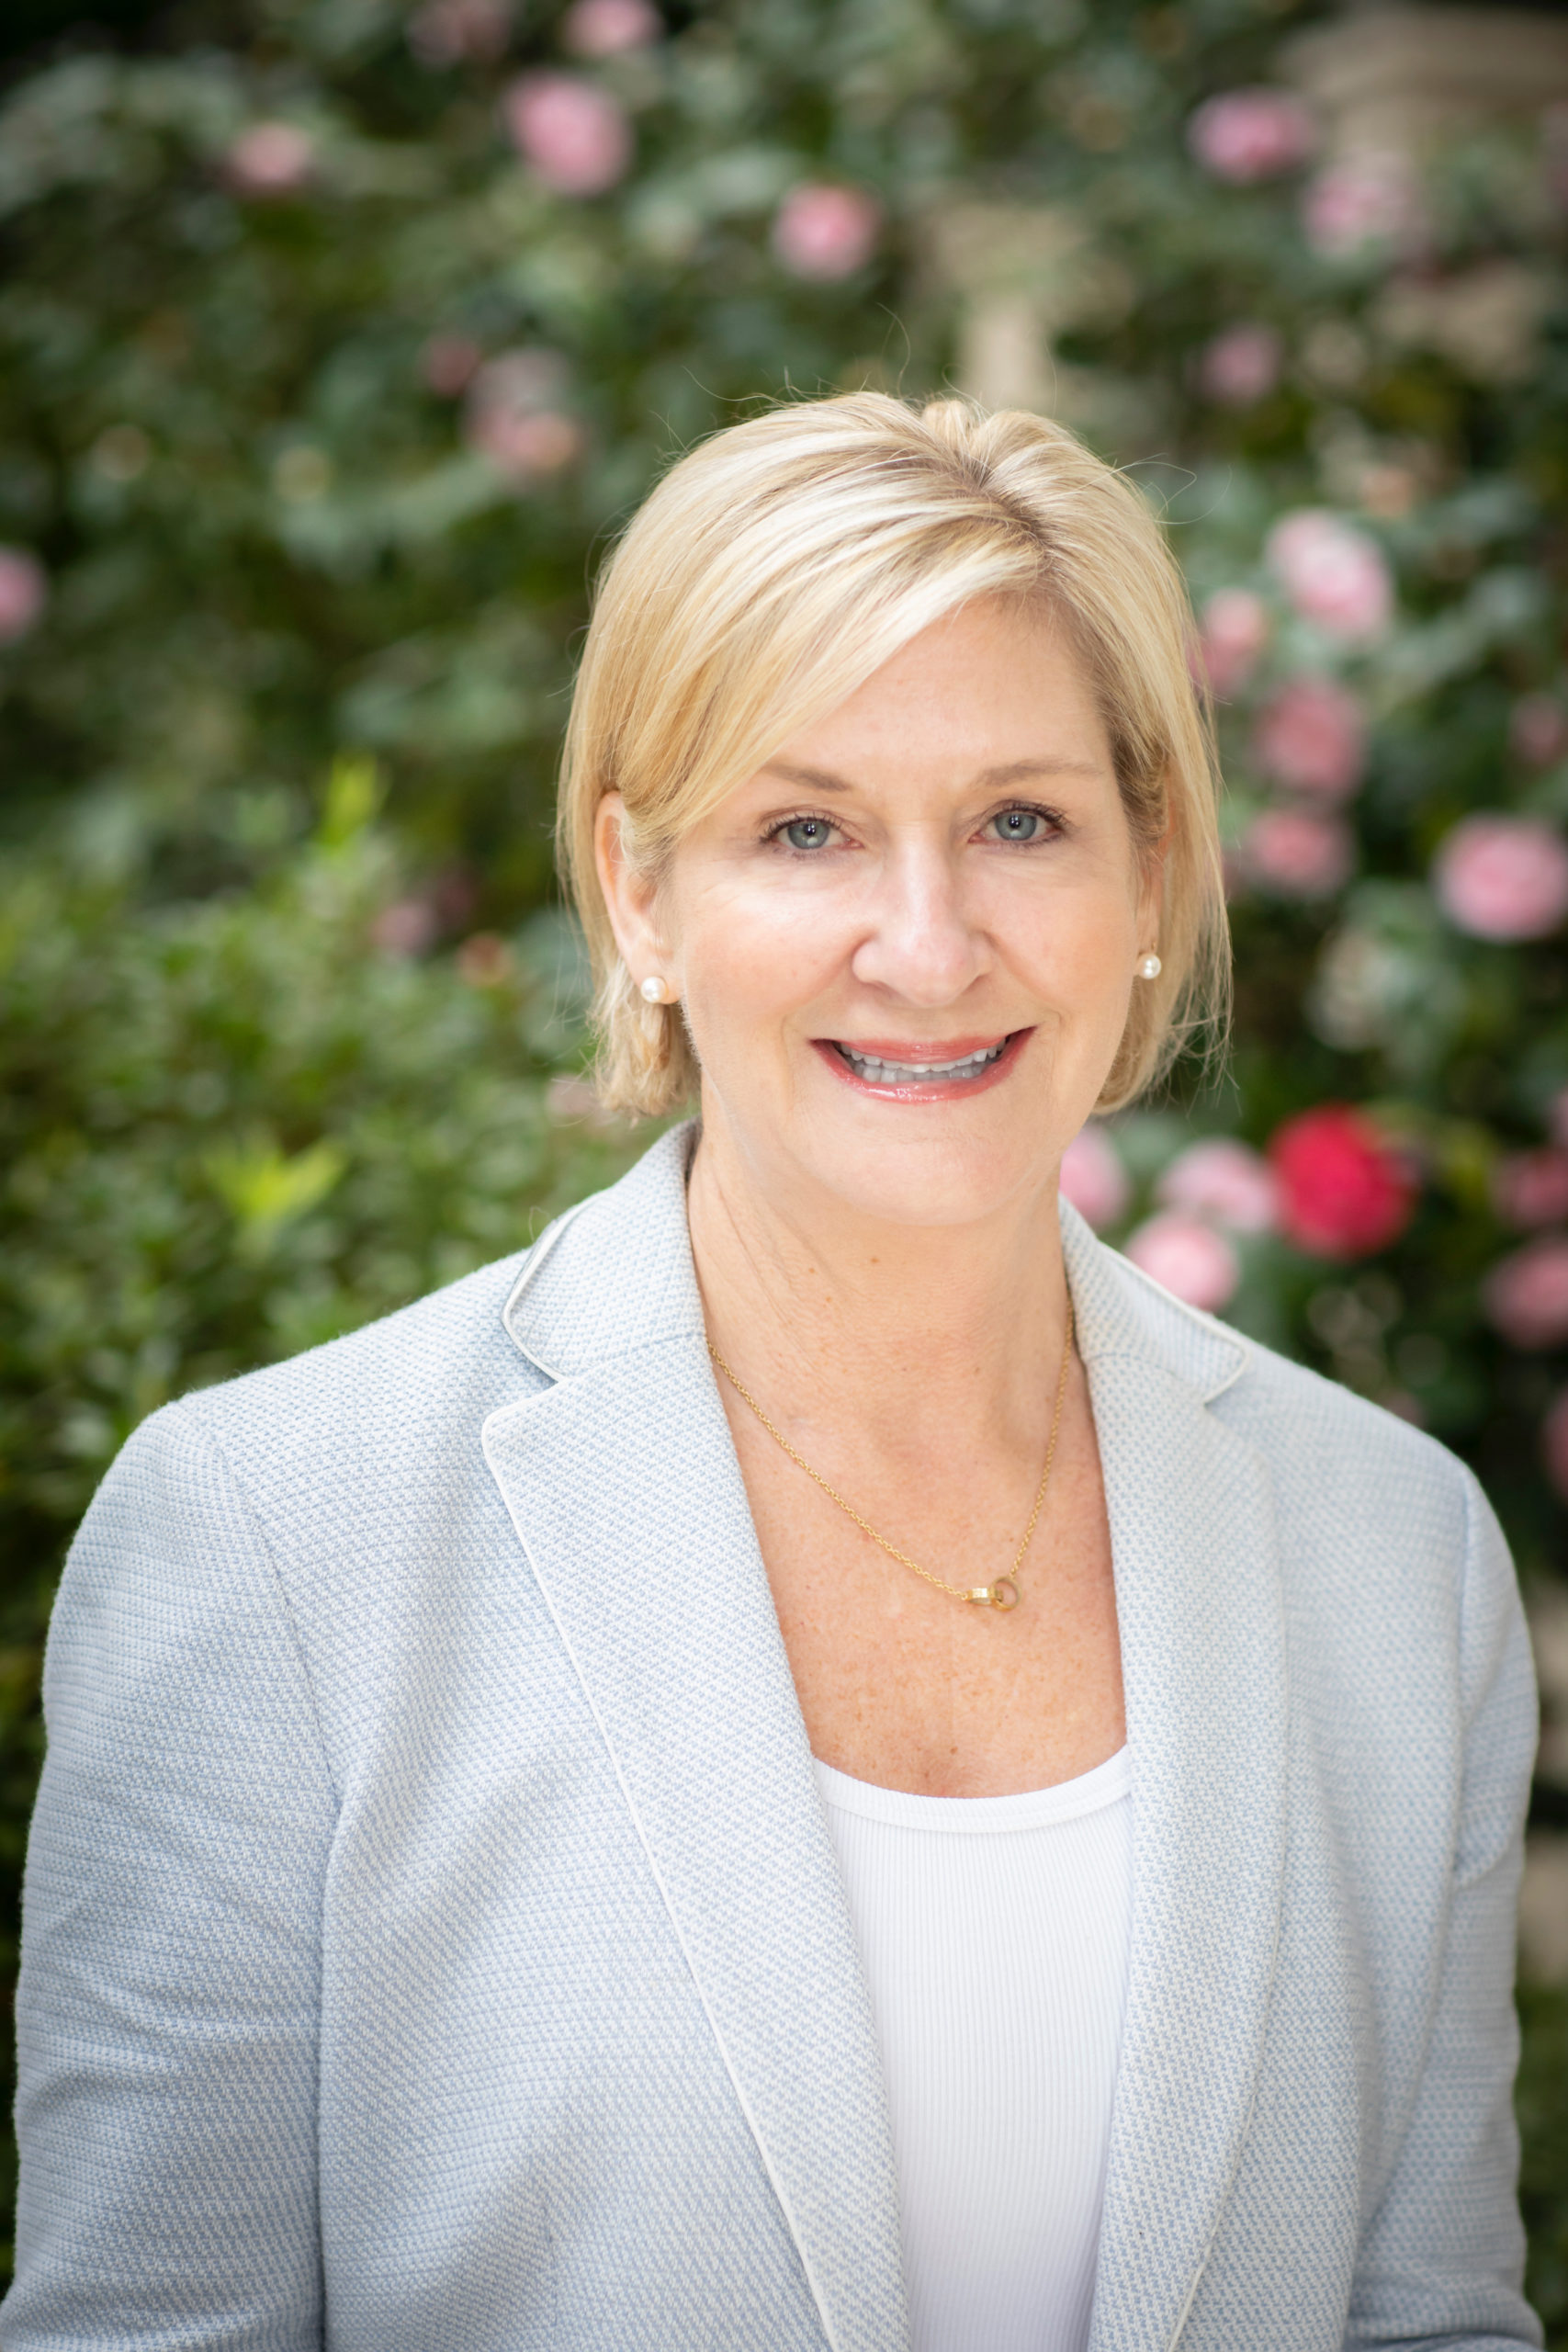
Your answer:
<point x="345" y="1432"/>
<point x="442" y="1353"/>
<point x="1369" y="1509"/>
<point x="1384" y="1535"/>
<point x="371" y="1444"/>
<point x="1323" y="1438"/>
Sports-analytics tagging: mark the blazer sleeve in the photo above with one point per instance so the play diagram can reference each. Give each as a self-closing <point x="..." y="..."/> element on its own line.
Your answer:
<point x="1442" y="2261"/>
<point x="169" y="1995"/>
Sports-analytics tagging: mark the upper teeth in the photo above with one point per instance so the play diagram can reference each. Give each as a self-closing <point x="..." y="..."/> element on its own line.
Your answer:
<point x="887" y="1073"/>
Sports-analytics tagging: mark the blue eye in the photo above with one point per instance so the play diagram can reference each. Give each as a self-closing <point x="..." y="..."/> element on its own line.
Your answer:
<point x="806" y="832"/>
<point x="1017" y="824"/>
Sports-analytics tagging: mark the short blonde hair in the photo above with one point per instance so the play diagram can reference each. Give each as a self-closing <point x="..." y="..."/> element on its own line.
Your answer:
<point x="779" y="564"/>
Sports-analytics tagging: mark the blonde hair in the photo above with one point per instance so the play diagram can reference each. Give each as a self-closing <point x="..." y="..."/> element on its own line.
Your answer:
<point x="778" y="565"/>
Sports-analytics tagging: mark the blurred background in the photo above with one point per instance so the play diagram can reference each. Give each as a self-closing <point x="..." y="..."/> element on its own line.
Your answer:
<point x="338" y="338"/>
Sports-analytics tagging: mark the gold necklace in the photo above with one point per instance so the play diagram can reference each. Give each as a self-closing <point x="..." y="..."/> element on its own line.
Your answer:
<point x="1001" y="1594"/>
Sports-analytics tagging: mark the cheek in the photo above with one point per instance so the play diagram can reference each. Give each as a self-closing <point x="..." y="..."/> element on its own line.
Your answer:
<point x="748" y="950"/>
<point x="1075" y="944"/>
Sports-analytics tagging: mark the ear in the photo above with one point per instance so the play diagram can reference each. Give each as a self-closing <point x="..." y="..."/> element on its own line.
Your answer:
<point x="630" y="898"/>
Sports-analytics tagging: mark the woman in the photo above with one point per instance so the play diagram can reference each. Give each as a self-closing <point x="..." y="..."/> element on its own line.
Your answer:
<point x="815" y="1760"/>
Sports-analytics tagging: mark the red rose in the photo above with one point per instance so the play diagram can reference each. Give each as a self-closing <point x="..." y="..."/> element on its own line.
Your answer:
<point x="1344" y="1191"/>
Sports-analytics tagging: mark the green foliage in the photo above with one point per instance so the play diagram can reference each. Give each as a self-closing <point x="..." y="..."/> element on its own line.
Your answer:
<point x="237" y="1127"/>
<point x="318" y="443"/>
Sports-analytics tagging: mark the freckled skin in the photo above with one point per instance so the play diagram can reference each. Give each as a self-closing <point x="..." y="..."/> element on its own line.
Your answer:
<point x="884" y="1273"/>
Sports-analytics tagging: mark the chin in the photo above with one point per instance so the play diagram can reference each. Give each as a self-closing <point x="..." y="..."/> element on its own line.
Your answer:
<point x="930" y="1181"/>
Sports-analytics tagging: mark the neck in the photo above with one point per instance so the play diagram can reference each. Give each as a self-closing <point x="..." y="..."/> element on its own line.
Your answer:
<point x="945" y="1327"/>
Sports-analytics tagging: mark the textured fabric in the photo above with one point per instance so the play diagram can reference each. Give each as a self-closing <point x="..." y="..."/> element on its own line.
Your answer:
<point x="433" y="1937"/>
<point x="993" y="1931"/>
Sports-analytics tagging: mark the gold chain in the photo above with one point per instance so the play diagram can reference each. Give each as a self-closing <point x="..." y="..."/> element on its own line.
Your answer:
<point x="1003" y="1592"/>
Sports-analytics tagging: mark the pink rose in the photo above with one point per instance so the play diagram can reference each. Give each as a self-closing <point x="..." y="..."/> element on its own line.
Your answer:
<point x="1345" y="1190"/>
<point x="1234" y="632"/>
<point x="1245" y="135"/>
<point x="24" y="592"/>
<point x="1531" y="1187"/>
<point x="1503" y="877"/>
<point x="1334" y="574"/>
<point x="1554" y="1442"/>
<point x="609" y="27"/>
<point x="444" y="32"/>
<point x="1538" y="729"/>
<point x="1224" y="1181"/>
<point x="1366" y="199"/>
<point x="1527" y="1294"/>
<point x="572" y="133"/>
<point x="824" y="232"/>
<point x="1296" y="853"/>
<point x="448" y="362"/>
<point x="1093" y="1178"/>
<point x="1311" y="737"/>
<point x="513" y="415"/>
<point x="527" y="448"/>
<point x="270" y="159"/>
<point x="1241" y="365"/>
<point x="1187" y="1257"/>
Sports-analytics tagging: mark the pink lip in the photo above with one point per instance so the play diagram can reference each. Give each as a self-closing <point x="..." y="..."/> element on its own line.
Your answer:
<point x="917" y="1090"/>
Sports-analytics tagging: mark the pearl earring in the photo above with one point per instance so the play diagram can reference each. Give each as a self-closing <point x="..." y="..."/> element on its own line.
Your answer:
<point x="652" y="989"/>
<point x="1149" y="967"/>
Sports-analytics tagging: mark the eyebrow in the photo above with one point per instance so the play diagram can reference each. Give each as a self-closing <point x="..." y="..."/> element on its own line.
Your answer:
<point x="993" y="779"/>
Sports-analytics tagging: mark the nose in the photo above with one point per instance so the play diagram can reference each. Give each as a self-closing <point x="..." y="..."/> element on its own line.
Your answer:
<point x="921" y="943"/>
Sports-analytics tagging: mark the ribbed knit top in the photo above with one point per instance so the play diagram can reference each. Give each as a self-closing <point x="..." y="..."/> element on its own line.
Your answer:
<point x="993" y="1934"/>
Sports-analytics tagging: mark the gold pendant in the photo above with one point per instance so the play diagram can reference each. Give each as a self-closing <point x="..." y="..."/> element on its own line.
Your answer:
<point x="1003" y="1594"/>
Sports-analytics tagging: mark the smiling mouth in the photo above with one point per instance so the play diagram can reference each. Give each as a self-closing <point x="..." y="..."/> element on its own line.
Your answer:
<point x="883" y="1068"/>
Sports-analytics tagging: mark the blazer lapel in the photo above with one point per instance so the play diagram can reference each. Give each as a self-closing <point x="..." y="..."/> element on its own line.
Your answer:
<point x="1203" y="1664"/>
<point x="622" y="1483"/>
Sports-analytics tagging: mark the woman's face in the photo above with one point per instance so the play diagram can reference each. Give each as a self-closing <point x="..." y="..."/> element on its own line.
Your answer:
<point x="906" y="945"/>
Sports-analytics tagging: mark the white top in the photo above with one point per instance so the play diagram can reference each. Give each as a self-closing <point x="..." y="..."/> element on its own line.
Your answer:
<point x="993" y="1935"/>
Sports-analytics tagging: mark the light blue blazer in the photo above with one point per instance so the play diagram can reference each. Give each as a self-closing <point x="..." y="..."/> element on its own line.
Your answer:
<point x="434" y="1942"/>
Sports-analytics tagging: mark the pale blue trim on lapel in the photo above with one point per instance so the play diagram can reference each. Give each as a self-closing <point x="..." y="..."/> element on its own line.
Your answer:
<point x="533" y="1266"/>
<point x="623" y="1486"/>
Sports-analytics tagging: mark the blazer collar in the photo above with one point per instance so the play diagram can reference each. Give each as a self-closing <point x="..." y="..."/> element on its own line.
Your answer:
<point x="615" y="1274"/>
<point x="626" y="1494"/>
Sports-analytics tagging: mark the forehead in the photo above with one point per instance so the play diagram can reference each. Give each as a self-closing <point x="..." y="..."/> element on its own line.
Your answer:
<point x="995" y="684"/>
